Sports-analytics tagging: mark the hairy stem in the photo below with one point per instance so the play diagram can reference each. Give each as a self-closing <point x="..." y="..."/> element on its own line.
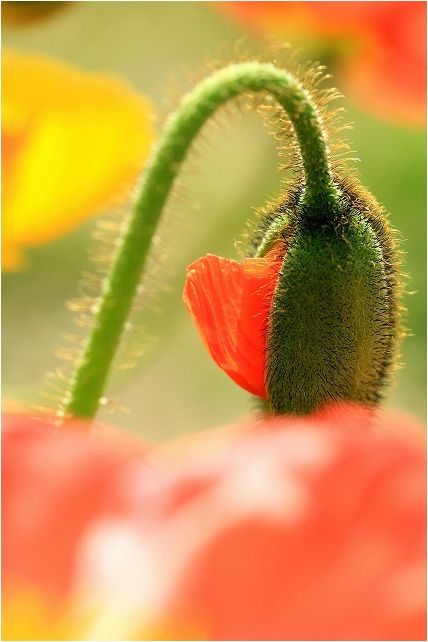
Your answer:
<point x="195" y="109"/>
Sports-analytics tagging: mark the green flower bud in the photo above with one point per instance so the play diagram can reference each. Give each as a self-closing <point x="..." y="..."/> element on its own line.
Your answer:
<point x="333" y="324"/>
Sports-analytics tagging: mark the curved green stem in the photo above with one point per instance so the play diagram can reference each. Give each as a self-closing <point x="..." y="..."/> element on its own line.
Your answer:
<point x="196" y="107"/>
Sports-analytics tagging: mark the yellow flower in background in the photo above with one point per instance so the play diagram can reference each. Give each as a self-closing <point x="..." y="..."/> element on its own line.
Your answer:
<point x="73" y="143"/>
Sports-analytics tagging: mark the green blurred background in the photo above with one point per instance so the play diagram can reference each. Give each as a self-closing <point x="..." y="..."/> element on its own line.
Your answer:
<point x="176" y="388"/>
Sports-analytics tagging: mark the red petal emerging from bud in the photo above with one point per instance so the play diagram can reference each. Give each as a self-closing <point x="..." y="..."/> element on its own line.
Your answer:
<point x="229" y="303"/>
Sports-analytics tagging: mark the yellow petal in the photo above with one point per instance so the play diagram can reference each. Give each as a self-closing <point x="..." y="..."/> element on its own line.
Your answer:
<point x="73" y="143"/>
<point x="28" y="615"/>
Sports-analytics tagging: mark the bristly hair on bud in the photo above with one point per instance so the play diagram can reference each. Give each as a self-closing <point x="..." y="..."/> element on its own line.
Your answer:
<point x="334" y="321"/>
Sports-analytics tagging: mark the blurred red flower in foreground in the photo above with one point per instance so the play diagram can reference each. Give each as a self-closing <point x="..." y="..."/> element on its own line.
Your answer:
<point x="229" y="303"/>
<point x="380" y="47"/>
<point x="307" y="528"/>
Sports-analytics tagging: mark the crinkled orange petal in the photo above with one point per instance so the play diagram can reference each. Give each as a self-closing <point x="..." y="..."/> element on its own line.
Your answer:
<point x="73" y="144"/>
<point x="229" y="303"/>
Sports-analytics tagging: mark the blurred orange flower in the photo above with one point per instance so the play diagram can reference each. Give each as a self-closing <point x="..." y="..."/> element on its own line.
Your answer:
<point x="380" y="47"/>
<point x="72" y="144"/>
<point x="295" y="528"/>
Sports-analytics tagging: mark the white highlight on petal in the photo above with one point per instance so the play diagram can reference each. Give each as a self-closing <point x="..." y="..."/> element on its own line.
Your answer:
<point x="130" y="568"/>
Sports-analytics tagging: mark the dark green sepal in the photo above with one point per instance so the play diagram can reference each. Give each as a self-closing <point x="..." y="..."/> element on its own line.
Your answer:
<point x="333" y="321"/>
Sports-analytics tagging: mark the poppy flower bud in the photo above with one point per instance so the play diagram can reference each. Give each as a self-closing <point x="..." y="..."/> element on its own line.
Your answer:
<point x="332" y="323"/>
<point x="312" y="317"/>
